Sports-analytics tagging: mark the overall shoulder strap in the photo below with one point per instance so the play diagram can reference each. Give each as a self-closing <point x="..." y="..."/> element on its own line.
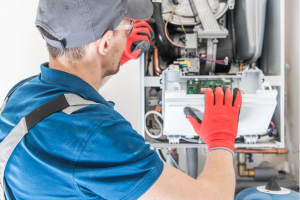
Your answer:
<point x="68" y="103"/>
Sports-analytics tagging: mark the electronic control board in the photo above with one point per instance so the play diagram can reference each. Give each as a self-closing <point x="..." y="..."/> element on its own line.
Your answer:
<point x="199" y="87"/>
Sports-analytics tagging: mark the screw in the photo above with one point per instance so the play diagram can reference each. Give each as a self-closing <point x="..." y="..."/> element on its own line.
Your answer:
<point x="287" y="66"/>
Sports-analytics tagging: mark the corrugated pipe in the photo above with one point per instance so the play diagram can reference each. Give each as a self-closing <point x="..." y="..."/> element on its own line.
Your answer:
<point x="192" y="162"/>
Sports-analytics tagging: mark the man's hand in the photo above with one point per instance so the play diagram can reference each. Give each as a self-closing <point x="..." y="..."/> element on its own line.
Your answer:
<point x="138" y="41"/>
<point x="218" y="129"/>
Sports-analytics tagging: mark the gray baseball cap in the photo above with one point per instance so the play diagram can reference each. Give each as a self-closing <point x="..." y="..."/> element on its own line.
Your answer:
<point x="80" y="22"/>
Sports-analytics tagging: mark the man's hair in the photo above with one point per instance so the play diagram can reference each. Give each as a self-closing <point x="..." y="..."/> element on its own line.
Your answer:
<point x="73" y="54"/>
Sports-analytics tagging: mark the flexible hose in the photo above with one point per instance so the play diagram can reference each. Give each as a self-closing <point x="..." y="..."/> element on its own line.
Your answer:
<point x="167" y="51"/>
<point x="157" y="121"/>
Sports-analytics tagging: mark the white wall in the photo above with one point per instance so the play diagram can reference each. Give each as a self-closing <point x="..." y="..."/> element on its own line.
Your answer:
<point x="292" y="54"/>
<point x="22" y="50"/>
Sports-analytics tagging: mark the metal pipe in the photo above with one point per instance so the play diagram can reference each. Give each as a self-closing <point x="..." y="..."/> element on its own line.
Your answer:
<point x="192" y="162"/>
<point x="267" y="151"/>
<point x="157" y="68"/>
<point x="242" y="167"/>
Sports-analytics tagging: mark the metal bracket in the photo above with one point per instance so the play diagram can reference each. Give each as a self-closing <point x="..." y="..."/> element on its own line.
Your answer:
<point x="211" y="53"/>
<point x="204" y="14"/>
<point x="231" y="4"/>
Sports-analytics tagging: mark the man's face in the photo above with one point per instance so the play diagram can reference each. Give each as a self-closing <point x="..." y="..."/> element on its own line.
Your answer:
<point x="111" y="63"/>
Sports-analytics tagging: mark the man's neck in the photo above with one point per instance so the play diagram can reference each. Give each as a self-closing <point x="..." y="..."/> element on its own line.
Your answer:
<point x="87" y="71"/>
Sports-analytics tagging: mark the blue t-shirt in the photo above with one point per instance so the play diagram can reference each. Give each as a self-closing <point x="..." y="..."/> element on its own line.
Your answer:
<point x="91" y="154"/>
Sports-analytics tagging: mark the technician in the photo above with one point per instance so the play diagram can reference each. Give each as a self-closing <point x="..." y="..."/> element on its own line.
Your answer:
<point x="88" y="150"/>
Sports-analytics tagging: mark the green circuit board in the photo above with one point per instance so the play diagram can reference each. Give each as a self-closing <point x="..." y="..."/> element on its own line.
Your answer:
<point x="199" y="87"/>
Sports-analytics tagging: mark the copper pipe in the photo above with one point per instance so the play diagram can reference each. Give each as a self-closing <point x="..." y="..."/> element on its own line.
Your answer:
<point x="157" y="68"/>
<point x="241" y="66"/>
<point x="267" y="151"/>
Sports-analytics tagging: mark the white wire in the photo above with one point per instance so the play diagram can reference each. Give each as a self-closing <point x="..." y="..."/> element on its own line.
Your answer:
<point x="190" y="140"/>
<point x="158" y="122"/>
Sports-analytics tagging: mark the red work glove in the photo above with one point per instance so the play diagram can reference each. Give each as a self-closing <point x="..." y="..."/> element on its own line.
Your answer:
<point x="138" y="41"/>
<point x="219" y="126"/>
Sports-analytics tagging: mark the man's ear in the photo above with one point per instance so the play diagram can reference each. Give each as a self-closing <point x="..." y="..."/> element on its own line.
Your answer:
<point x="105" y="42"/>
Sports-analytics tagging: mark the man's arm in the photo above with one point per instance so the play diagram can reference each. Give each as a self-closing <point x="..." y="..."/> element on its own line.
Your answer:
<point x="218" y="130"/>
<point x="217" y="181"/>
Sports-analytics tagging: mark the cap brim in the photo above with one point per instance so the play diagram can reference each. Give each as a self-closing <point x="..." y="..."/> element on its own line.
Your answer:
<point x="139" y="9"/>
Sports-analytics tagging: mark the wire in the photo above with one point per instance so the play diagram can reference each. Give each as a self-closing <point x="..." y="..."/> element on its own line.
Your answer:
<point x="207" y="58"/>
<point x="173" y="150"/>
<point x="179" y="20"/>
<point x="272" y="129"/>
<point x="161" y="155"/>
<point x="272" y="124"/>
<point x="220" y="62"/>
<point x="158" y="122"/>
<point x="233" y="35"/>
<point x="262" y="135"/>
<point x="190" y="140"/>
<point x="270" y="133"/>
<point x="173" y="159"/>
<point x="167" y="32"/>
<point x="149" y="60"/>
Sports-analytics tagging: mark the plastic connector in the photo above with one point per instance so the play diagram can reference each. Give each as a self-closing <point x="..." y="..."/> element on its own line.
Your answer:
<point x="226" y="60"/>
<point x="158" y="108"/>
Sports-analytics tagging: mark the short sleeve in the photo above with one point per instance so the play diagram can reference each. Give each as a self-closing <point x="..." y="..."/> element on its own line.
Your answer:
<point x="115" y="163"/>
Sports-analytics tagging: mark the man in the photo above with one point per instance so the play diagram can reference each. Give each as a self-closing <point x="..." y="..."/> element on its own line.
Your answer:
<point x="93" y="153"/>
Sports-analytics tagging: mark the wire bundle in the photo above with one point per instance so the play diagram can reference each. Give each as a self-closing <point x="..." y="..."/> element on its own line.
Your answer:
<point x="272" y="129"/>
<point x="221" y="62"/>
<point x="167" y="32"/>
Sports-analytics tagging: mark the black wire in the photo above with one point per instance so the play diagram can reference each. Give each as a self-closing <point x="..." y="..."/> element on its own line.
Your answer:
<point x="161" y="155"/>
<point x="149" y="60"/>
<point x="232" y="35"/>
<point x="175" y="2"/>
<point x="182" y="40"/>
